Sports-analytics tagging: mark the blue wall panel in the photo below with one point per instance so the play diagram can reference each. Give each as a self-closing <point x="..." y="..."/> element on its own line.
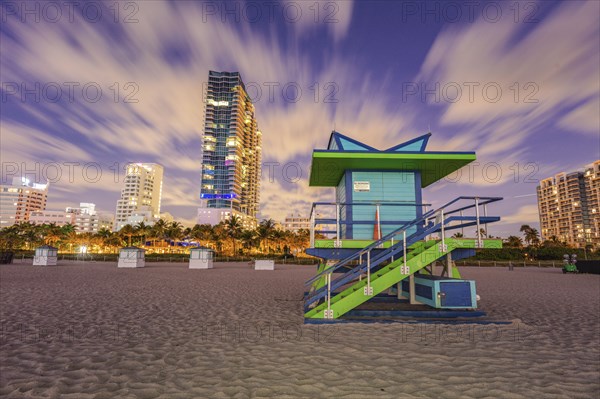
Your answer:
<point x="340" y="197"/>
<point x="384" y="186"/>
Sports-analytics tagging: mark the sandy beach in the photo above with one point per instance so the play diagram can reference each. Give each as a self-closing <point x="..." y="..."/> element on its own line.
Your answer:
<point x="90" y="330"/>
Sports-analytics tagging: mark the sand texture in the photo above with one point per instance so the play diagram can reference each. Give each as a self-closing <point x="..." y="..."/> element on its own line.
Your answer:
<point x="90" y="330"/>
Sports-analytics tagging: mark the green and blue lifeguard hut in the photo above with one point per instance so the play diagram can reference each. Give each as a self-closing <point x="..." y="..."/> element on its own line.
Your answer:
<point x="379" y="236"/>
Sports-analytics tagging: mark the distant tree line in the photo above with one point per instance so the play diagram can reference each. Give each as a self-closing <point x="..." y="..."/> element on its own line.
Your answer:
<point x="231" y="238"/>
<point x="530" y="247"/>
<point x="226" y="238"/>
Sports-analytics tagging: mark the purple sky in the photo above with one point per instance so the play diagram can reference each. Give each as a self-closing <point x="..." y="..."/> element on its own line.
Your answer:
<point x="381" y="72"/>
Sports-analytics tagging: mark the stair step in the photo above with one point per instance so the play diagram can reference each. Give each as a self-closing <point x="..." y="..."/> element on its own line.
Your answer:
<point x="359" y="285"/>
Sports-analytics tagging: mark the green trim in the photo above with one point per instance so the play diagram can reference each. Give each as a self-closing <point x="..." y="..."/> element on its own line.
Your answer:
<point x="320" y="282"/>
<point x="360" y="244"/>
<point x="456" y="273"/>
<point x="328" y="167"/>
<point x="350" y="244"/>
<point x="423" y="253"/>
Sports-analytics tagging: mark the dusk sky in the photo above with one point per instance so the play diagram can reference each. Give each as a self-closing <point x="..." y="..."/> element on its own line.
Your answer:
<point x="380" y="72"/>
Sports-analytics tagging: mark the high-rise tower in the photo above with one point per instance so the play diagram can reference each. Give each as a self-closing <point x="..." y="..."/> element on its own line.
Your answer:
<point x="142" y="193"/>
<point x="569" y="206"/>
<point x="231" y="152"/>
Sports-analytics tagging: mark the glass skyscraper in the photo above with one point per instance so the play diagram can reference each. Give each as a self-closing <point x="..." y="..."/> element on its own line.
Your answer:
<point x="231" y="147"/>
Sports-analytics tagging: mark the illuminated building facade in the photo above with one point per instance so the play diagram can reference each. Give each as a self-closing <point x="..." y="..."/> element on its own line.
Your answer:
<point x="19" y="199"/>
<point x="569" y="206"/>
<point x="142" y="191"/>
<point x="231" y="147"/>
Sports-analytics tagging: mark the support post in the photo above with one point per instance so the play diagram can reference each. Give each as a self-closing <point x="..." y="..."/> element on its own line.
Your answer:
<point x="378" y="210"/>
<point x="449" y="264"/>
<point x="405" y="271"/>
<point x="443" y="232"/>
<point x="312" y="227"/>
<point x="328" y="312"/>
<point x="359" y="265"/>
<point x="411" y="284"/>
<point x="369" y="269"/>
<point x="485" y="224"/>
<point x="368" y="290"/>
<point x="479" y="243"/>
<point x="337" y="225"/>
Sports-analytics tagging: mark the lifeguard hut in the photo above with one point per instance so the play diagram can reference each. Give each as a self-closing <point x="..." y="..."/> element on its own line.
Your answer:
<point x="131" y="257"/>
<point x="379" y="239"/>
<point x="264" y="264"/>
<point x="45" y="255"/>
<point x="201" y="258"/>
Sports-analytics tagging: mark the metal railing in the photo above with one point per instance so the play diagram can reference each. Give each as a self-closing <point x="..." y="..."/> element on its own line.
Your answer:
<point x="442" y="221"/>
<point x="337" y="219"/>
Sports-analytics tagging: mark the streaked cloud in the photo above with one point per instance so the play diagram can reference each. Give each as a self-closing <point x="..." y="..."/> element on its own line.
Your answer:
<point x="162" y="61"/>
<point x="541" y="72"/>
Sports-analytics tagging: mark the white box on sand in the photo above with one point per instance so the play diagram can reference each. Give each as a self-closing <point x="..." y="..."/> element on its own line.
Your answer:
<point x="131" y="257"/>
<point x="264" y="264"/>
<point x="201" y="258"/>
<point x="45" y="256"/>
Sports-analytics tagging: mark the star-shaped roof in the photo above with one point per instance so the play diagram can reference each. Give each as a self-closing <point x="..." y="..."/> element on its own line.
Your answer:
<point x="344" y="153"/>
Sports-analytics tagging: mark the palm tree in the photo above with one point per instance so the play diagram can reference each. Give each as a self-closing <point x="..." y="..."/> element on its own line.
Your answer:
<point x="482" y="233"/>
<point x="264" y="231"/>
<point x="233" y="227"/>
<point x="202" y="232"/>
<point x="174" y="231"/>
<point x="458" y="235"/>
<point x="302" y="240"/>
<point x="9" y="237"/>
<point x="248" y="238"/>
<point x="159" y="229"/>
<point x="52" y="233"/>
<point x="143" y="230"/>
<point x="30" y="234"/>
<point x="114" y="241"/>
<point x="82" y="240"/>
<point x="218" y="232"/>
<point x="68" y="229"/>
<point x="279" y="237"/>
<point x="532" y="236"/>
<point x="127" y="231"/>
<point x="106" y="237"/>
<point x="104" y="232"/>
<point x="514" y="242"/>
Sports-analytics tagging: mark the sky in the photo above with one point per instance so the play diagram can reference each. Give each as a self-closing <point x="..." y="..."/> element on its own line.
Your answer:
<point x="89" y="86"/>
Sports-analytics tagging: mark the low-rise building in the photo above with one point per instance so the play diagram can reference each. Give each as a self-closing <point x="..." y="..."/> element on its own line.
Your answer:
<point x="19" y="199"/>
<point x="296" y="222"/>
<point x="57" y="217"/>
<point x="84" y="218"/>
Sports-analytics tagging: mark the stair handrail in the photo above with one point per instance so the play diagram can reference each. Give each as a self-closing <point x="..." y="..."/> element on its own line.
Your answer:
<point x="391" y="251"/>
<point x="369" y="247"/>
<point x="431" y="228"/>
<point x="333" y="284"/>
<point x="314" y="221"/>
<point x="479" y="201"/>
